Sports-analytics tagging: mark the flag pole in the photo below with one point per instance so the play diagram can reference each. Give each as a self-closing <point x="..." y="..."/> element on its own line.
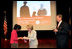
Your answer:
<point x="5" y="13"/>
<point x="5" y="18"/>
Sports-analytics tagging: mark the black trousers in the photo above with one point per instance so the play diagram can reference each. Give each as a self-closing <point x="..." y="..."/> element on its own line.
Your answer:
<point x="62" y="41"/>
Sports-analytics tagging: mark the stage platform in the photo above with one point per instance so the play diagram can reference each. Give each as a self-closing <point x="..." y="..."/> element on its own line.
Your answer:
<point x="43" y="43"/>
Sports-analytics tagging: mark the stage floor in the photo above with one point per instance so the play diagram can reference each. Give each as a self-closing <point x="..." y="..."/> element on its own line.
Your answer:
<point x="43" y="43"/>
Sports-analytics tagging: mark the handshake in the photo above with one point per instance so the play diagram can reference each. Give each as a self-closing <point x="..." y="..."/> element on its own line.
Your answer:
<point x="23" y="38"/>
<point x="20" y="37"/>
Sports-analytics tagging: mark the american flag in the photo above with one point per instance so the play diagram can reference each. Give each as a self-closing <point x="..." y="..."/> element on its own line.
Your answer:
<point x="5" y="26"/>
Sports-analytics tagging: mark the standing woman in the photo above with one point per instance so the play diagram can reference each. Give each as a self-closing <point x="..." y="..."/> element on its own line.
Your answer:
<point x="32" y="37"/>
<point x="14" y="36"/>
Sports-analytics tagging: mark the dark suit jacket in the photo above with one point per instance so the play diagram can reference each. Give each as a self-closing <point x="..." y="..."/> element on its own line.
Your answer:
<point x="63" y="29"/>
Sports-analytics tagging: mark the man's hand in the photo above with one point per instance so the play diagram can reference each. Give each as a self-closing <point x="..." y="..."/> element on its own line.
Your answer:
<point x="55" y="30"/>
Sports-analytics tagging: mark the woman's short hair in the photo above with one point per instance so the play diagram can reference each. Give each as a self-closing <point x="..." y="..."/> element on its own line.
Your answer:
<point x="30" y="26"/>
<point x="16" y="26"/>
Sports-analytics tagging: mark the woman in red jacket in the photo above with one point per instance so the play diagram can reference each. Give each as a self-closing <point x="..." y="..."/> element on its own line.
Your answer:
<point x="14" y="36"/>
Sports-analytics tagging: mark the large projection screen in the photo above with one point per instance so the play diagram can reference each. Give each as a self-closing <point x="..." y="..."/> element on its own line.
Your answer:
<point x="41" y="14"/>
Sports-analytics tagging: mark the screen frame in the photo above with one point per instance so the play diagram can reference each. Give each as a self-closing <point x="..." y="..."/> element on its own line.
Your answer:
<point x="53" y="15"/>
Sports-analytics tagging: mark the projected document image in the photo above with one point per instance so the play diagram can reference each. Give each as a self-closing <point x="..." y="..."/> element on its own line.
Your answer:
<point x="37" y="13"/>
<point x="33" y="8"/>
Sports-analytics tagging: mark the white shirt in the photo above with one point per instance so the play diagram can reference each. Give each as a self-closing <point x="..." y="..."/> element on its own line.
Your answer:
<point x="59" y="23"/>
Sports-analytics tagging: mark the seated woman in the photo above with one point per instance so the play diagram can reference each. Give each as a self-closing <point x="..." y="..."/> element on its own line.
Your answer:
<point x="32" y="37"/>
<point x="14" y="36"/>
